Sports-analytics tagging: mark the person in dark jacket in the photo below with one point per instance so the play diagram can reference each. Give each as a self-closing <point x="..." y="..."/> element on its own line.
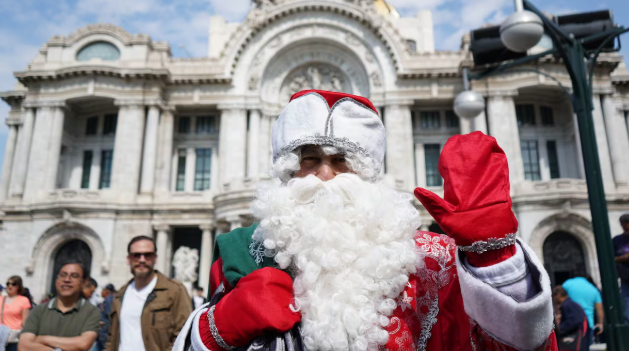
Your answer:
<point x="570" y="322"/>
<point x="105" y="309"/>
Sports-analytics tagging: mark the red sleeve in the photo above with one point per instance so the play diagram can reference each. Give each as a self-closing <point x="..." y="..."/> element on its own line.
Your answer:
<point x="217" y="277"/>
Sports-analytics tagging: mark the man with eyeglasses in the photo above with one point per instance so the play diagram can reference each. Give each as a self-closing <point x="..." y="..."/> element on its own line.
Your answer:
<point x="67" y="321"/>
<point x="147" y="313"/>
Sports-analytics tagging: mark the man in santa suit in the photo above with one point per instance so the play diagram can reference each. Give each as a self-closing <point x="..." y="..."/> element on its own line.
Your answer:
<point x="335" y="260"/>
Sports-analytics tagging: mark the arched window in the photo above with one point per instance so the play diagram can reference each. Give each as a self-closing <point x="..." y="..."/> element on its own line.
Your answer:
<point x="412" y="44"/>
<point x="563" y="257"/>
<point x="100" y="49"/>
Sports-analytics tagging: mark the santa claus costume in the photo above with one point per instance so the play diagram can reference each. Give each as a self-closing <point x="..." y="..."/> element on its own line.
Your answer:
<point x="335" y="261"/>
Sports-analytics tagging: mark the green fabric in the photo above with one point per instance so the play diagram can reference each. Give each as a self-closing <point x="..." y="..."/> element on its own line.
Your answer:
<point x="233" y="248"/>
<point x="47" y="319"/>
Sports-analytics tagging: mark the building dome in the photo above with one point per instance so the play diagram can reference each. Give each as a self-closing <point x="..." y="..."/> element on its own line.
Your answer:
<point x="386" y="9"/>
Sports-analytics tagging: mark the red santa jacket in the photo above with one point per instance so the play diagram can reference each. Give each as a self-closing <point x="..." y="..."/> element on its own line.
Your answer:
<point x="443" y="307"/>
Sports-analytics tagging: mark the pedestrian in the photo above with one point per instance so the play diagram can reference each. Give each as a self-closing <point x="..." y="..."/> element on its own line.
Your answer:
<point x="586" y="295"/>
<point x="147" y="313"/>
<point x="570" y="322"/>
<point x="67" y="321"/>
<point x="621" y="251"/>
<point x="89" y="290"/>
<point x="105" y="309"/>
<point x="14" y="311"/>
<point x="198" y="299"/>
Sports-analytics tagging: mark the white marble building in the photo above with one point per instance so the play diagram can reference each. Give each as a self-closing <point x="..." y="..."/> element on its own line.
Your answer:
<point x="111" y="137"/>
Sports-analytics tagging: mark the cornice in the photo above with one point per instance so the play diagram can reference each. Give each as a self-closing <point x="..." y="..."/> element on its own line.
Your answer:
<point x="44" y="103"/>
<point x="26" y="77"/>
<point x="100" y="28"/>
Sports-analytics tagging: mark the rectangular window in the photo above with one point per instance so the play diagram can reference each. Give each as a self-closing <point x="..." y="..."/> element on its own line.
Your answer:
<point x="430" y="120"/>
<point x="109" y="127"/>
<point x="432" y="151"/>
<point x="553" y="161"/>
<point x="180" y="184"/>
<point x="91" y="126"/>
<point x="530" y="158"/>
<point x="547" y="115"/>
<point x="106" y="158"/>
<point x="525" y="115"/>
<point x="203" y="169"/>
<point x="206" y="125"/>
<point x="87" y="169"/>
<point x="452" y="120"/>
<point x="183" y="126"/>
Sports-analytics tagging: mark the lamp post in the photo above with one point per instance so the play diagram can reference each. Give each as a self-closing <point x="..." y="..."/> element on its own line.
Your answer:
<point x="518" y="33"/>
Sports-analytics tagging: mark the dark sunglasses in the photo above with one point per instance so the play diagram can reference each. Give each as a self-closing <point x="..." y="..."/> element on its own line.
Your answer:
<point x="11" y="284"/>
<point x="147" y="255"/>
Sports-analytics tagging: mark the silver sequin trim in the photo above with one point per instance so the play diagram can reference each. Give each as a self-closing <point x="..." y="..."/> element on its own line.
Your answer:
<point x="491" y="244"/>
<point x="318" y="139"/>
<point x="427" y="323"/>
<point x="215" y="334"/>
<point x="256" y="250"/>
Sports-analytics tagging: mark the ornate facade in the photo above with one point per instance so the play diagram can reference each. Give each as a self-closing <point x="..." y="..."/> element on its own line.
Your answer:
<point x="111" y="137"/>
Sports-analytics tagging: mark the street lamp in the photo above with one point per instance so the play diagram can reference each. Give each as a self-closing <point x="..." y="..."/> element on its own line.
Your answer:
<point x="575" y="38"/>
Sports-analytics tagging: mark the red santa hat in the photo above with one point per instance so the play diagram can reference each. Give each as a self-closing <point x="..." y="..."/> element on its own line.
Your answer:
<point x="476" y="205"/>
<point x="318" y="117"/>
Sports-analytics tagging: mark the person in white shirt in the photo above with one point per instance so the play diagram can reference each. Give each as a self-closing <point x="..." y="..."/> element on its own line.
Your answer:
<point x="147" y="313"/>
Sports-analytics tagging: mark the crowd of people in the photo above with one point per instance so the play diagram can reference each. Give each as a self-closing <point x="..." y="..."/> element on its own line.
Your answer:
<point x="74" y="317"/>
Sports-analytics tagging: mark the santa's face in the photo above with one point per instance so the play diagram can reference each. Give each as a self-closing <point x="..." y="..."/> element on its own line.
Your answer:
<point x="347" y="242"/>
<point x="315" y="161"/>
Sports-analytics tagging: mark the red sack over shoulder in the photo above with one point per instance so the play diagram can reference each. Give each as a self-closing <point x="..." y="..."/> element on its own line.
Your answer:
<point x="476" y="206"/>
<point x="259" y="303"/>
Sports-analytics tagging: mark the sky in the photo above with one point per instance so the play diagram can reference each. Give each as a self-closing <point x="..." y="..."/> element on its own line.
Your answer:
<point x="26" y="25"/>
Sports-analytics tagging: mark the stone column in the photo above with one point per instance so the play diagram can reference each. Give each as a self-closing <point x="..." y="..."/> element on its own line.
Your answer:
<point x="165" y="150"/>
<point x="602" y="145"/>
<point x="618" y="139"/>
<point x="191" y="160"/>
<point x="54" y="151"/>
<point x="95" y="171"/>
<point x="18" y="173"/>
<point x="399" y="155"/>
<point x="125" y="176"/>
<point x="234" y="223"/>
<point x="253" y="144"/>
<point x="162" y="245"/>
<point x="420" y="165"/>
<point x="7" y="164"/>
<point x="39" y="152"/>
<point x="205" y="261"/>
<point x="232" y="144"/>
<point x="150" y="151"/>
<point x="264" y="146"/>
<point x="503" y="125"/>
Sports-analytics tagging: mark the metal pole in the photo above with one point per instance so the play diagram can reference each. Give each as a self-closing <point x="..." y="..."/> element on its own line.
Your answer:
<point x="518" y="5"/>
<point x="466" y="79"/>
<point x="582" y="102"/>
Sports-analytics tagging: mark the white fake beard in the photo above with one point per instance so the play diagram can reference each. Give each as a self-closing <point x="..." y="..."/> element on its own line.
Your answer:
<point x="349" y="244"/>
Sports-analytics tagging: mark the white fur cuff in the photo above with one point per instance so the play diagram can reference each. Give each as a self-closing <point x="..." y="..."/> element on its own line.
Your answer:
<point x="523" y="325"/>
<point x="190" y="335"/>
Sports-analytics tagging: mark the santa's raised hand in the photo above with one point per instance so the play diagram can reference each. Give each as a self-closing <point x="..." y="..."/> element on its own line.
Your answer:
<point x="476" y="208"/>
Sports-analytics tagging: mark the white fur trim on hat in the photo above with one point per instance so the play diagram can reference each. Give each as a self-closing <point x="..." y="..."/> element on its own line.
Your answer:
<point x="348" y="125"/>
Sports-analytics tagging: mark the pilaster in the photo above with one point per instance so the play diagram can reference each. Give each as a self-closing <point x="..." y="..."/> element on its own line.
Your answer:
<point x="232" y="143"/>
<point x="150" y="150"/>
<point x="22" y="153"/>
<point x="253" y="144"/>
<point x="165" y="150"/>
<point x="399" y="156"/>
<point x="7" y="164"/>
<point x="602" y="144"/>
<point x="503" y="126"/>
<point x="162" y="244"/>
<point x="618" y="139"/>
<point x="205" y="262"/>
<point x="128" y="149"/>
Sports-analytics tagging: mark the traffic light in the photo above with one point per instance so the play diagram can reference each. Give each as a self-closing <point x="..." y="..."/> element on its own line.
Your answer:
<point x="582" y="25"/>
<point x="487" y="48"/>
